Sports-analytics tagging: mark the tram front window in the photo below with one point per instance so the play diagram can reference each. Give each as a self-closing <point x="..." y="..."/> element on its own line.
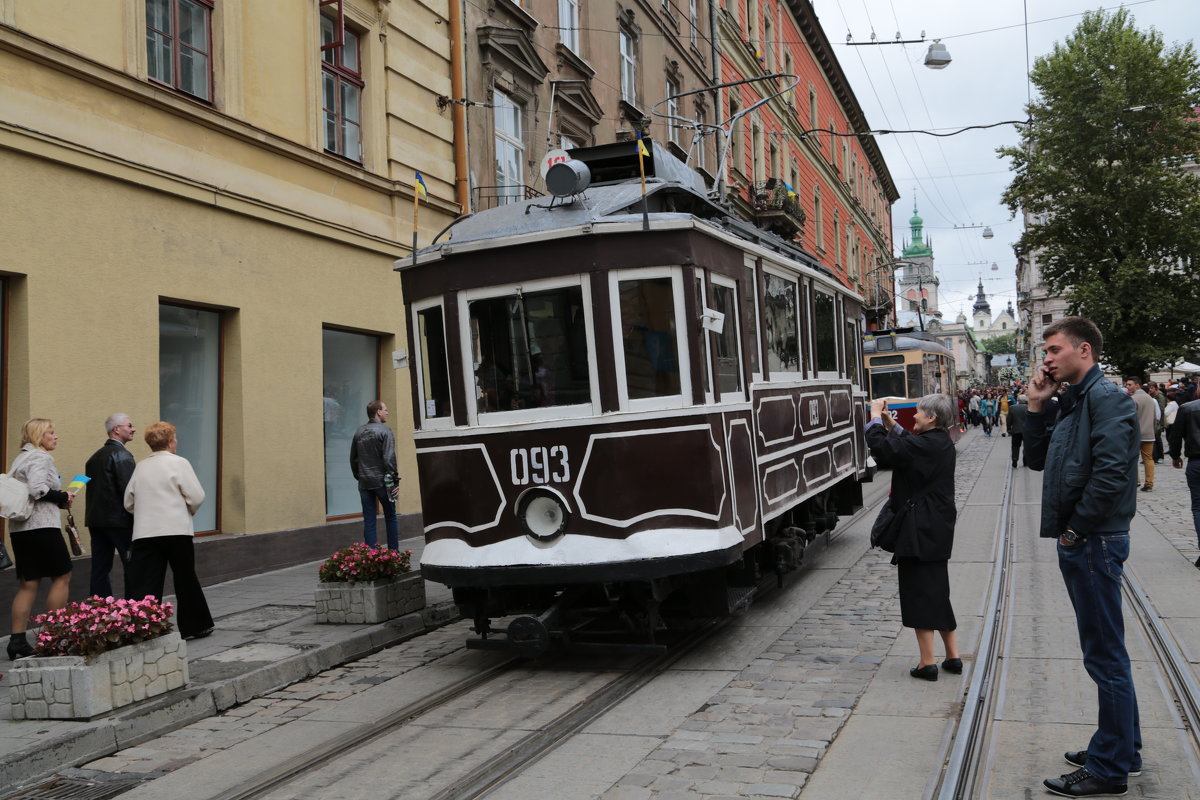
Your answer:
<point x="888" y="384"/>
<point x="530" y="350"/>
<point x="649" y="337"/>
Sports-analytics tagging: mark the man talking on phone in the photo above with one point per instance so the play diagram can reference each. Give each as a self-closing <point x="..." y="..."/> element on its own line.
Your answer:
<point x="1089" y="497"/>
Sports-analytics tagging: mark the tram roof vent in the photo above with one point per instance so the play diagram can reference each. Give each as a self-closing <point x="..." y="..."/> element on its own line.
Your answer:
<point x="618" y="163"/>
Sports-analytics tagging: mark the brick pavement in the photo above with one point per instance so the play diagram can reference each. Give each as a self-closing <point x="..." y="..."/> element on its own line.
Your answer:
<point x="766" y="732"/>
<point x="1169" y="509"/>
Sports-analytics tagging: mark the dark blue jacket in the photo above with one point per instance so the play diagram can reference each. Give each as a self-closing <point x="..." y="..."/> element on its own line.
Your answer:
<point x="1090" y="459"/>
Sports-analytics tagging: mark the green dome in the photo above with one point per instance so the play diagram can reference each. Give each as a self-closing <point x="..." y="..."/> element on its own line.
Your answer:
<point x="916" y="220"/>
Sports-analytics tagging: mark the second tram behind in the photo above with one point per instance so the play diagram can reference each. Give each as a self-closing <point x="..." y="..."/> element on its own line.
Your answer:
<point x="623" y="405"/>
<point x="904" y="366"/>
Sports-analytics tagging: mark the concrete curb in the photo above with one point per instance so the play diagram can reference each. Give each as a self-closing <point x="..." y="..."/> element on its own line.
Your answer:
<point x="152" y="718"/>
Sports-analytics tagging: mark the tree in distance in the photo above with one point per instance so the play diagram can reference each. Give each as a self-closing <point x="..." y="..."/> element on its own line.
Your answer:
<point x="1001" y="345"/>
<point x="1117" y="218"/>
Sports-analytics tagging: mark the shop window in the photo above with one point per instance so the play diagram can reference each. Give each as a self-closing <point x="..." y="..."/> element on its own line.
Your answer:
<point x="350" y="378"/>
<point x="179" y="45"/>
<point x="341" y="90"/>
<point x="780" y="324"/>
<point x="189" y="394"/>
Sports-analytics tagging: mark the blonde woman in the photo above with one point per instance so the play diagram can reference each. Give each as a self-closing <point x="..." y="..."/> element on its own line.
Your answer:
<point x="163" y="495"/>
<point x="37" y="542"/>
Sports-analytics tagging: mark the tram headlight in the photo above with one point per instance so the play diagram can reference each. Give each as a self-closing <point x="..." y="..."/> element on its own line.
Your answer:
<point x="543" y="514"/>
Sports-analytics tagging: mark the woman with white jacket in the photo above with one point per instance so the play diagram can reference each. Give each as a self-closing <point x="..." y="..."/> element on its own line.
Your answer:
<point x="163" y="496"/>
<point x="37" y="542"/>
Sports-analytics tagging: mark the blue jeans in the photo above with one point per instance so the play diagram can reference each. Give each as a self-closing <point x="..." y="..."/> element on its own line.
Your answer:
<point x="368" y="497"/>
<point x="1092" y="570"/>
<point x="1193" y="481"/>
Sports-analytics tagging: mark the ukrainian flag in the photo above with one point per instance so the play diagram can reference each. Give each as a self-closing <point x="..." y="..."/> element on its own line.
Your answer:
<point x="422" y="189"/>
<point x="641" y="146"/>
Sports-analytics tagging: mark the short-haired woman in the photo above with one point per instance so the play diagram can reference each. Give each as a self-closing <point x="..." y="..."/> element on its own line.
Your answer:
<point x="164" y="494"/>
<point x="37" y="542"/>
<point x="922" y="464"/>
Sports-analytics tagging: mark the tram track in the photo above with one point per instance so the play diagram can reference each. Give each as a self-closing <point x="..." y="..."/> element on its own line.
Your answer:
<point x="511" y="761"/>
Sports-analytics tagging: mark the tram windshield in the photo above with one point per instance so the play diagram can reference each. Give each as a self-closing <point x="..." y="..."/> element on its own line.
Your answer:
<point x="530" y="350"/>
<point x="888" y="382"/>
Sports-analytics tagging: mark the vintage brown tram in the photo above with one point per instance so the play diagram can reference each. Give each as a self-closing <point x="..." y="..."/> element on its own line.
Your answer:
<point x="621" y="402"/>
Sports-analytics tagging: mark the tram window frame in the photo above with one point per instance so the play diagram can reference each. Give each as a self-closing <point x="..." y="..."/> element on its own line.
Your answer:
<point x="853" y="352"/>
<point x="779" y="373"/>
<point x="534" y="413"/>
<point x="731" y="333"/>
<point x="418" y="365"/>
<point x="704" y="344"/>
<point x="659" y="402"/>
<point x="819" y="364"/>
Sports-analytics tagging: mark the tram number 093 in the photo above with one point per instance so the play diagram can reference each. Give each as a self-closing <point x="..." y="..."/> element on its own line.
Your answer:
<point x="539" y="465"/>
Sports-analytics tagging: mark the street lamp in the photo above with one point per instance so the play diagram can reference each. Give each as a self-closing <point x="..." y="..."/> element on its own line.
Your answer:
<point x="937" y="57"/>
<point x="987" y="229"/>
<point x="995" y="267"/>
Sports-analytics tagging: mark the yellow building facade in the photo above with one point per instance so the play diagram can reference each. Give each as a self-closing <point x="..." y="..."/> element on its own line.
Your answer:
<point x="201" y="202"/>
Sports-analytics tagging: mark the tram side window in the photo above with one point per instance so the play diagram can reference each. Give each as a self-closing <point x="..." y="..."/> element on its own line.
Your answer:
<point x="729" y="368"/>
<point x="914" y="380"/>
<point x="649" y="337"/>
<point x="825" y="332"/>
<point x="435" y="376"/>
<point x="704" y="378"/>
<point x="779" y="319"/>
<point x="852" y="344"/>
<point x="530" y="350"/>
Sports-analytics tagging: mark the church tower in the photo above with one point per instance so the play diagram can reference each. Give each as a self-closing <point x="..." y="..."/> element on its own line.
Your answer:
<point x="982" y="310"/>
<point x="918" y="279"/>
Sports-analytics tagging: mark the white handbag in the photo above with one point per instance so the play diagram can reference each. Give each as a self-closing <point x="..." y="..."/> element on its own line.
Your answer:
<point x="15" y="502"/>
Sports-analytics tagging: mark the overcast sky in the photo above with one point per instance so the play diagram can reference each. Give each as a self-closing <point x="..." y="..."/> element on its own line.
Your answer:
<point x="958" y="179"/>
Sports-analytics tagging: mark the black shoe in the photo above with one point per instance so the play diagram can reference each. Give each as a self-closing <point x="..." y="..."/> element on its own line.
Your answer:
<point x="1077" y="758"/>
<point x="19" y="647"/>
<point x="199" y="634"/>
<point x="1198" y="562"/>
<point x="1014" y="465"/>
<point x="1147" y="488"/>
<point x="953" y="665"/>
<point x="928" y="673"/>
<point x="1082" y="783"/>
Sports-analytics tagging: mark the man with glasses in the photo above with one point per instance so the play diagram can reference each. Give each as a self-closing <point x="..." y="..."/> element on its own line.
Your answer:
<point x="110" y="525"/>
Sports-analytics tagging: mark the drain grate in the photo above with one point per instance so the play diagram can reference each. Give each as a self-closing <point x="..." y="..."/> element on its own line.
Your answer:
<point x="73" y="789"/>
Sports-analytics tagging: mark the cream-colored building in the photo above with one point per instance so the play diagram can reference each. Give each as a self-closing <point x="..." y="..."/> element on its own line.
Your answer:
<point x="202" y="202"/>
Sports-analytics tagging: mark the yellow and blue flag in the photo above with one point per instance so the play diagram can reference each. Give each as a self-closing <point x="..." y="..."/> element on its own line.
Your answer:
<point x="641" y="146"/>
<point x="422" y="189"/>
<point x="78" y="482"/>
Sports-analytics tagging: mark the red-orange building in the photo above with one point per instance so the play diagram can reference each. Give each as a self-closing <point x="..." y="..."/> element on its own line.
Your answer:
<point x="792" y="167"/>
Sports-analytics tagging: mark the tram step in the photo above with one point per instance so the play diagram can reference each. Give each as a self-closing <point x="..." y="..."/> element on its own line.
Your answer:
<point x="739" y="598"/>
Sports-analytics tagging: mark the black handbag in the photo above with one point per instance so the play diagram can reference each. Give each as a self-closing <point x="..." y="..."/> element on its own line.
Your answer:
<point x="885" y="533"/>
<point x="5" y="561"/>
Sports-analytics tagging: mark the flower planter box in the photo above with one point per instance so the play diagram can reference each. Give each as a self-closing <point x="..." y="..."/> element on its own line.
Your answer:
<point x="74" y="687"/>
<point x="370" y="602"/>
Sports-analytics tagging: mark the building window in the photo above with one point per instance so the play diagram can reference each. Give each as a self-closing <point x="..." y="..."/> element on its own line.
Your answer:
<point x="837" y="238"/>
<point x="812" y="106"/>
<point x="672" y="111"/>
<point x="341" y="90"/>
<point x="768" y="43"/>
<point x="179" y="45"/>
<point x="350" y="380"/>
<point x="189" y="394"/>
<point x="694" y="19"/>
<point x="568" y="23"/>
<point x="628" y="68"/>
<point x="818" y="218"/>
<point x="699" y="140"/>
<point x="737" y="143"/>
<point x="510" y="149"/>
<point x="1047" y="319"/>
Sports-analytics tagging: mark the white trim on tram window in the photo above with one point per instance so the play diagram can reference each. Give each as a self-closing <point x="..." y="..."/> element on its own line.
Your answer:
<point x="418" y="359"/>
<point x="706" y="375"/>
<point x="683" y="398"/>
<point x="525" y="415"/>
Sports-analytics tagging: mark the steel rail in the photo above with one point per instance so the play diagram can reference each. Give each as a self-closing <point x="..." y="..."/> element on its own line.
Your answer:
<point x="962" y="767"/>
<point x="1176" y="667"/>
<point x="309" y="760"/>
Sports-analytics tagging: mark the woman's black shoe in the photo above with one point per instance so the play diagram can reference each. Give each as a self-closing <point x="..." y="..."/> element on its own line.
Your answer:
<point x="928" y="673"/>
<point x="953" y="665"/>
<point x="18" y="647"/>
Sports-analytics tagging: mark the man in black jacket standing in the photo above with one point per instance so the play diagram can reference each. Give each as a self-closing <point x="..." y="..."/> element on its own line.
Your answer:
<point x="1089" y="497"/>
<point x="110" y="525"/>
<point x="1183" y="438"/>
<point x="373" y="462"/>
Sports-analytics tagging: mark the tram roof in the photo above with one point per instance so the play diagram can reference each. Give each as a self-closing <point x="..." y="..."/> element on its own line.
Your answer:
<point x="905" y="342"/>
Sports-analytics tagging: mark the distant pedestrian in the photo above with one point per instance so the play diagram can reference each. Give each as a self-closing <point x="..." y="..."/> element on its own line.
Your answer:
<point x="1147" y="417"/>
<point x="987" y="409"/>
<point x="373" y="462"/>
<point x="110" y="525"/>
<point x="1002" y="414"/>
<point x="1016" y="425"/>
<point x="37" y="542"/>
<point x="164" y="494"/>
<point x="973" y="405"/>
<point x="1089" y="497"/>
<point x="923" y="472"/>
<point x="1160" y="397"/>
<point x="1184" y="439"/>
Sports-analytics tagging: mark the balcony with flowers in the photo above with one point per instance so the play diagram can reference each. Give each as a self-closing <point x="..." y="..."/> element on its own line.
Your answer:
<point x="777" y="208"/>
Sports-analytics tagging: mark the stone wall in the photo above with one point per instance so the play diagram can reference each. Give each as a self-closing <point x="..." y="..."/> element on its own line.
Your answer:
<point x="370" y="602"/>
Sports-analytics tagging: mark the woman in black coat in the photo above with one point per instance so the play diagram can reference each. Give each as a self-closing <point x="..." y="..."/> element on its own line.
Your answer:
<point x="923" y="471"/>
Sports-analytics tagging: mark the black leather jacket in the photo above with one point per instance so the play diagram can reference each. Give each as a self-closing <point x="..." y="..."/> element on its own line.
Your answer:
<point x="1184" y="433"/>
<point x="110" y="468"/>
<point x="373" y="455"/>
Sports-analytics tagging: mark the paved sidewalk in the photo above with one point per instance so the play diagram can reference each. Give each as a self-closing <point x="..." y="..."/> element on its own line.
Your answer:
<point x="266" y="638"/>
